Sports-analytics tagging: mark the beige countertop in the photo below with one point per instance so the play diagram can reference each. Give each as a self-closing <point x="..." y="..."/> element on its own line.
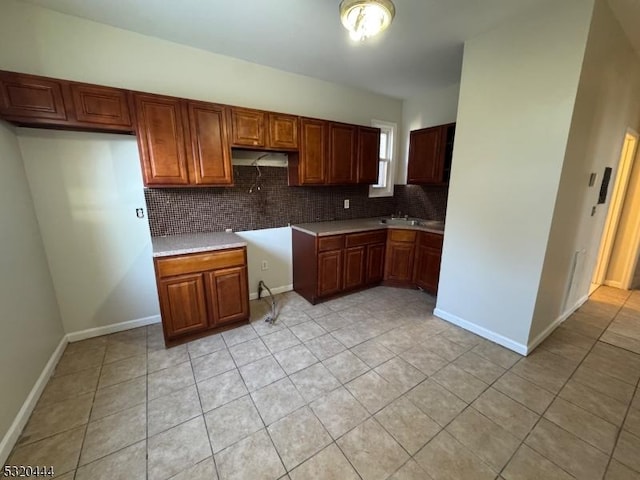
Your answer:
<point x="195" y="242"/>
<point x="339" y="227"/>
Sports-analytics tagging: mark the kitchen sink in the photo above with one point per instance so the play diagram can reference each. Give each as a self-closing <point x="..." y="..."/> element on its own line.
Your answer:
<point x="400" y="221"/>
<point x="414" y="222"/>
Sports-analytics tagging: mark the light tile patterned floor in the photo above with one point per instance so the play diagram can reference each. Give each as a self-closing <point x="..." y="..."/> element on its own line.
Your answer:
<point x="368" y="386"/>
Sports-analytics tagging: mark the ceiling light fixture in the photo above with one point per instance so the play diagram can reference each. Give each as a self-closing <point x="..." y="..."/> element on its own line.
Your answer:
<point x="366" y="18"/>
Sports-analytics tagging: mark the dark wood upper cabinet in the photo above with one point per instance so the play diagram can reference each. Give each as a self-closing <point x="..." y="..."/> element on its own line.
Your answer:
<point x="313" y="151"/>
<point x="29" y="98"/>
<point x="210" y="152"/>
<point x="430" y="152"/>
<point x="162" y="140"/>
<point x="283" y="131"/>
<point x="342" y="154"/>
<point x="247" y="127"/>
<point x="102" y="106"/>
<point x="368" y="154"/>
<point x="188" y="143"/>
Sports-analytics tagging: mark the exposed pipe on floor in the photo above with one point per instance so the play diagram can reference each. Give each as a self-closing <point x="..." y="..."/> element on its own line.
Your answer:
<point x="271" y="317"/>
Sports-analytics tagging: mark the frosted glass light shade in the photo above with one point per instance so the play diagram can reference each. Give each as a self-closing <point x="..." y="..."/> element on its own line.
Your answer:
<point x="366" y="18"/>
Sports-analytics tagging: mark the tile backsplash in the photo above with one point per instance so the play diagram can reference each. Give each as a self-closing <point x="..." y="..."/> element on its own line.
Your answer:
<point x="189" y="210"/>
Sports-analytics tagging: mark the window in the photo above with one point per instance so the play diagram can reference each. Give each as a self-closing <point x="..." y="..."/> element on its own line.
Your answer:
<point x="384" y="186"/>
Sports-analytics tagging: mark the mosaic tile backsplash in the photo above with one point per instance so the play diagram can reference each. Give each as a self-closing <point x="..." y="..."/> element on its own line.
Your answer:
<point x="189" y="210"/>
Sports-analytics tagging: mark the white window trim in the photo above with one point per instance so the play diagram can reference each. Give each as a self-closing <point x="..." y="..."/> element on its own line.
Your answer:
<point x="387" y="191"/>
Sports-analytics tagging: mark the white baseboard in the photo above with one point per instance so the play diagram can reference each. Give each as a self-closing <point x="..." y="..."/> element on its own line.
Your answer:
<point x="12" y="435"/>
<point x="483" y="332"/>
<point x="555" y="324"/>
<point x="520" y="348"/>
<point x="275" y="291"/>
<point x="614" y="284"/>
<point x="113" y="328"/>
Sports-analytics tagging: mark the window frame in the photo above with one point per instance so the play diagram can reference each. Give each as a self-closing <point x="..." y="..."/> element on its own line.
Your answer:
<point x="391" y="129"/>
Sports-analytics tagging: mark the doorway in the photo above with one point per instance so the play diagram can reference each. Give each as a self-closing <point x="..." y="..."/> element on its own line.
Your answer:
<point x="618" y="254"/>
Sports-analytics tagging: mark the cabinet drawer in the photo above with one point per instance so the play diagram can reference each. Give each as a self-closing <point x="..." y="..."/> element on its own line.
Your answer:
<point x="199" y="262"/>
<point x="335" y="242"/>
<point x="428" y="239"/>
<point x="366" y="238"/>
<point x="402" y="235"/>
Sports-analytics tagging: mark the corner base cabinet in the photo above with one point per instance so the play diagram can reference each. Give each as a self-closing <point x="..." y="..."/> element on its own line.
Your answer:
<point x="202" y="292"/>
<point x="328" y="266"/>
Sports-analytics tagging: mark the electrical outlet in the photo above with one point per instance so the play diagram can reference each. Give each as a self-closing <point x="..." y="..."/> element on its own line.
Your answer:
<point x="346" y="203"/>
<point x="264" y="265"/>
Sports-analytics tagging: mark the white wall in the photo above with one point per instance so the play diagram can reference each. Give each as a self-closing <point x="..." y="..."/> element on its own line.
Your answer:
<point x="86" y="188"/>
<point x="518" y="87"/>
<point x="274" y="246"/>
<point x="40" y="41"/>
<point x="30" y="328"/>
<point x="433" y="107"/>
<point x="608" y="102"/>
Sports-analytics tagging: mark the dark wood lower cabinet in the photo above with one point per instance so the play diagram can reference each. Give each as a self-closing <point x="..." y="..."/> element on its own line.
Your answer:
<point x="375" y="264"/>
<point x="354" y="267"/>
<point x="329" y="272"/>
<point x="327" y="266"/>
<point x="399" y="262"/>
<point x="201" y="293"/>
<point x="227" y="290"/>
<point x="182" y="300"/>
<point x="427" y="262"/>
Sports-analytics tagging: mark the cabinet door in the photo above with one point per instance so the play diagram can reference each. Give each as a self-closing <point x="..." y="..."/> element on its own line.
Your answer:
<point x="182" y="302"/>
<point x="211" y="155"/>
<point x="368" y="154"/>
<point x="343" y="164"/>
<point x="399" y="262"/>
<point x="313" y="151"/>
<point x="375" y="263"/>
<point x="101" y="106"/>
<point x="426" y="162"/>
<point x="354" y="267"/>
<point x="31" y="98"/>
<point x="162" y="140"/>
<point x="227" y="295"/>
<point x="427" y="268"/>
<point x="283" y="131"/>
<point x="329" y="272"/>
<point x="247" y="127"/>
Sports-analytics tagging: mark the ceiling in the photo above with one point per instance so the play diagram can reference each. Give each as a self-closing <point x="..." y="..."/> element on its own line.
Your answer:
<point x="628" y="14"/>
<point x="422" y="48"/>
